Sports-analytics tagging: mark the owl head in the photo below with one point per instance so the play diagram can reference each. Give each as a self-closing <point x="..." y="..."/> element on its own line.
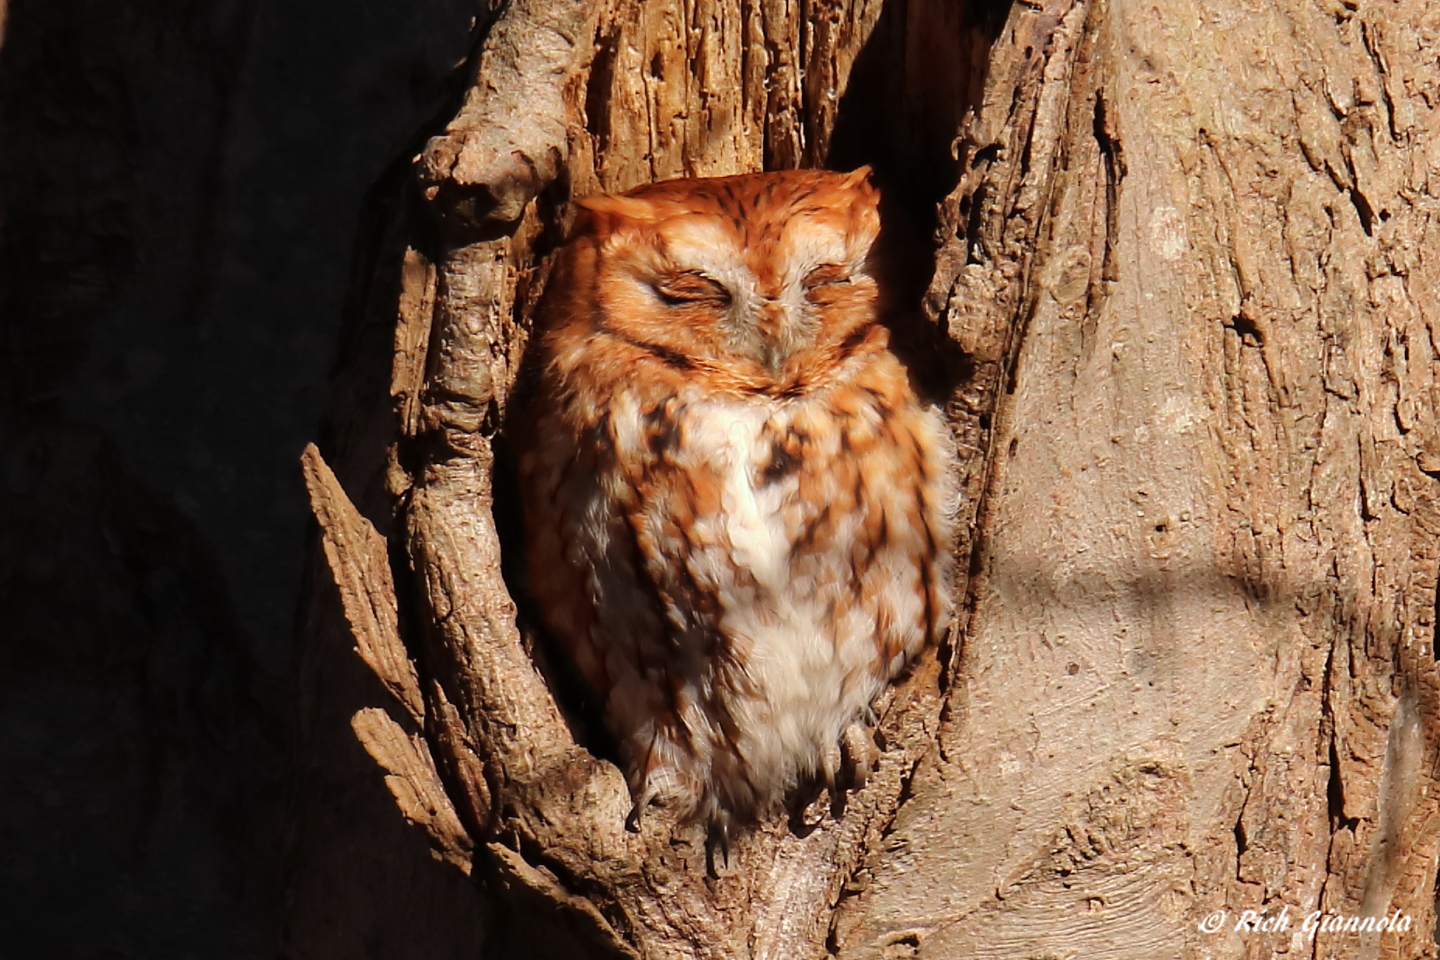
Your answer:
<point x="763" y="280"/>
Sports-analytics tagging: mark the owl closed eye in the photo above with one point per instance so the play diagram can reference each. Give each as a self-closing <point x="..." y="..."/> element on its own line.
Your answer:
<point x="736" y="506"/>
<point x="690" y="286"/>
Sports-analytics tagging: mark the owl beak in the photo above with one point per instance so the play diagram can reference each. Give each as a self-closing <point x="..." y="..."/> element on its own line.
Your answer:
<point x="772" y="359"/>
<point x="778" y="335"/>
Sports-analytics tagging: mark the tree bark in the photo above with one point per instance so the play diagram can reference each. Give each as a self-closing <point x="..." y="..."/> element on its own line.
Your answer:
<point x="1185" y="271"/>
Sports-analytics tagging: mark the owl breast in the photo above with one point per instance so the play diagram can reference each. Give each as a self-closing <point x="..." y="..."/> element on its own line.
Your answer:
<point x="738" y="552"/>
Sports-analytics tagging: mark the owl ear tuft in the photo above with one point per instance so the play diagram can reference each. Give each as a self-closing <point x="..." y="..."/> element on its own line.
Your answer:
<point x="606" y="211"/>
<point x="861" y="183"/>
<point x="860" y="175"/>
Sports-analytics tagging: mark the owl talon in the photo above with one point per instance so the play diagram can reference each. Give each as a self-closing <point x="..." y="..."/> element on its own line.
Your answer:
<point x="632" y="820"/>
<point x="859" y="755"/>
<point x="719" y="838"/>
<point x="830" y="760"/>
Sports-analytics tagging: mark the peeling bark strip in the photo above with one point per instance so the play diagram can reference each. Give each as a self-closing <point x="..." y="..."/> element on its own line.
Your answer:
<point x="357" y="556"/>
<point x="416" y="785"/>
<point x="1189" y="279"/>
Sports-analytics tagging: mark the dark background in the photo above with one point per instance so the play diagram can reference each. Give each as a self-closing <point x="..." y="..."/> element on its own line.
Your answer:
<point x="180" y="184"/>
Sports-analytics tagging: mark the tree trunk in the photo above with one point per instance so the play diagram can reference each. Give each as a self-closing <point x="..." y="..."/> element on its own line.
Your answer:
<point x="1186" y="265"/>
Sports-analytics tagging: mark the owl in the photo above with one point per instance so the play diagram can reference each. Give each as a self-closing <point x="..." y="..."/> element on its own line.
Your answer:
<point x="737" y="509"/>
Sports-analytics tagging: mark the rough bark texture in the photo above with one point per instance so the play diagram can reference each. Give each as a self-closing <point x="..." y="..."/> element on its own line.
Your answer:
<point x="1200" y="671"/>
<point x="1185" y="268"/>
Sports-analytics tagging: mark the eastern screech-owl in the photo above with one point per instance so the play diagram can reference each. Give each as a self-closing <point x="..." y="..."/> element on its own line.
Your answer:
<point x="736" y="506"/>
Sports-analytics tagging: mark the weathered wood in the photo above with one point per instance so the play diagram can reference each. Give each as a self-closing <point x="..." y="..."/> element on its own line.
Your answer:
<point x="415" y="783"/>
<point x="1186" y="278"/>
<point x="1199" y="675"/>
<point x="358" y="559"/>
<point x="508" y="140"/>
